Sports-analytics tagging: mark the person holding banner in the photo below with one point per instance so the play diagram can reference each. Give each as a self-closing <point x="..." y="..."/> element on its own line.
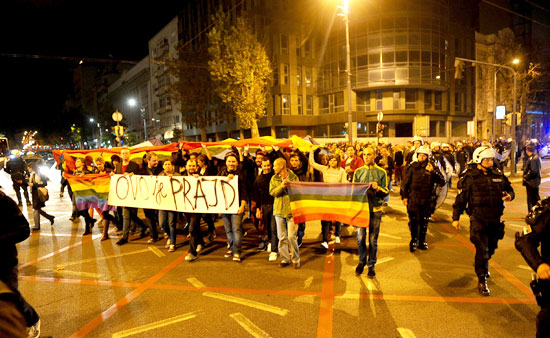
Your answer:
<point x="80" y="170"/>
<point x="287" y="230"/>
<point x="233" y="222"/>
<point x="167" y="218"/>
<point x="153" y="168"/>
<point x="196" y="241"/>
<point x="264" y="204"/>
<point x="378" y="179"/>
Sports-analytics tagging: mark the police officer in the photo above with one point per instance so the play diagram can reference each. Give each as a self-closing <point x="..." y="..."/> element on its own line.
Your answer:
<point x="417" y="143"/>
<point x="537" y="232"/>
<point x="17" y="168"/>
<point x="417" y="193"/>
<point x="481" y="192"/>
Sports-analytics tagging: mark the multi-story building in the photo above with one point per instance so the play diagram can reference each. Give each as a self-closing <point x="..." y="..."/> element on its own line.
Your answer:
<point x="402" y="64"/>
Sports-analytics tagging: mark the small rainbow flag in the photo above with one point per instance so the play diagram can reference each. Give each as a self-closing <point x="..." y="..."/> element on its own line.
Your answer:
<point x="341" y="202"/>
<point x="91" y="191"/>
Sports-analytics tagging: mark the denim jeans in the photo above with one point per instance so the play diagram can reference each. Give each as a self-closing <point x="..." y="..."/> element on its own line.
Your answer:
<point x="387" y="198"/>
<point x="233" y="231"/>
<point x="167" y="220"/>
<point x="374" y="230"/>
<point x="270" y="225"/>
<point x="287" y="231"/>
<point x="195" y="239"/>
<point x="129" y="215"/>
<point x="325" y="227"/>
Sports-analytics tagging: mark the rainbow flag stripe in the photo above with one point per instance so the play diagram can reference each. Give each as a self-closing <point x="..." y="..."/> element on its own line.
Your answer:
<point x="91" y="191"/>
<point x="341" y="202"/>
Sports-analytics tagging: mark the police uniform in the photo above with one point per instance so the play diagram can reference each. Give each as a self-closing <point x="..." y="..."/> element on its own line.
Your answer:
<point x="531" y="179"/>
<point x="537" y="232"/>
<point x="418" y="187"/>
<point x="480" y="194"/>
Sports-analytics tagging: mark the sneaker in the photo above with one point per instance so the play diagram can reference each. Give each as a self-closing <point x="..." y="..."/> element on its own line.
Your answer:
<point x="272" y="257"/>
<point x="122" y="241"/>
<point x="190" y="257"/>
<point x="337" y="240"/>
<point x="152" y="240"/>
<point x="324" y="245"/>
<point x="237" y="258"/>
<point x="268" y="247"/>
<point x="371" y="272"/>
<point x="297" y="265"/>
<point x="283" y="264"/>
<point x="359" y="269"/>
<point x="228" y="253"/>
<point x="52" y="220"/>
<point x="167" y="245"/>
<point x="199" y="248"/>
<point x="172" y="248"/>
<point x="34" y="331"/>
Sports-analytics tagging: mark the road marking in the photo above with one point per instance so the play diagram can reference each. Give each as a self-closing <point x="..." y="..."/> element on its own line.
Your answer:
<point x="517" y="226"/>
<point x="525" y="267"/>
<point x="196" y="283"/>
<point x="326" y="308"/>
<point x="405" y="333"/>
<point x="56" y="219"/>
<point x="308" y="282"/>
<point x="384" y="260"/>
<point x="155" y="325"/>
<point x="156" y="251"/>
<point x="74" y="273"/>
<point x="51" y="254"/>
<point x="62" y="266"/>
<point x="246" y="302"/>
<point x="389" y="236"/>
<point x="250" y="327"/>
<point x="308" y="299"/>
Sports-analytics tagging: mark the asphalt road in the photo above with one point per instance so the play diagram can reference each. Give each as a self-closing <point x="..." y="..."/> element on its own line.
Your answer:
<point x="82" y="286"/>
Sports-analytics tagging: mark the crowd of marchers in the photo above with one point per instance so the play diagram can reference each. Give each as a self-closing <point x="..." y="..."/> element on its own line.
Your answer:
<point x="419" y="168"/>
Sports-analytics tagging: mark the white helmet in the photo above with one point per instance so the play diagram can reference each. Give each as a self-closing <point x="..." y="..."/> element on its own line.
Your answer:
<point x="444" y="145"/>
<point x="418" y="138"/>
<point x="435" y="144"/>
<point x="424" y="150"/>
<point x="481" y="153"/>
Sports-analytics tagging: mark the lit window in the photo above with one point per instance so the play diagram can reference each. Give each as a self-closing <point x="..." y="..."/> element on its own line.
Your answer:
<point x="284" y="44"/>
<point x="285" y="104"/>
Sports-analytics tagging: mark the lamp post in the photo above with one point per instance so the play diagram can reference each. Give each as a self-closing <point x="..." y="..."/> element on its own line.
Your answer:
<point x="514" y="134"/>
<point x="132" y="103"/>
<point x="100" y="133"/>
<point x="345" y="16"/>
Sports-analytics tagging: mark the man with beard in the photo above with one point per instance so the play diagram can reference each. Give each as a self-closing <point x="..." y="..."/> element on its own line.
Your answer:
<point x="417" y="193"/>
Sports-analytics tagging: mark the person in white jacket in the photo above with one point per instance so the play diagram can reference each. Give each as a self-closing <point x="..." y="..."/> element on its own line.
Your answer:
<point x="332" y="173"/>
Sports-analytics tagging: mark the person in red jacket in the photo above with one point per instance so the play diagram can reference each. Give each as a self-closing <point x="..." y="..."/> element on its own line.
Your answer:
<point x="351" y="163"/>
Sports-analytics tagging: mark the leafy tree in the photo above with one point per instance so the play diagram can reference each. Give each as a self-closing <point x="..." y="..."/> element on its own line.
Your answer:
<point x="178" y="134"/>
<point x="240" y="69"/>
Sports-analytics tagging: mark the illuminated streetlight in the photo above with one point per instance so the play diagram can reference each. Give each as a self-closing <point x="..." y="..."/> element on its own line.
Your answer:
<point x="91" y="120"/>
<point x="132" y="102"/>
<point x="516" y="61"/>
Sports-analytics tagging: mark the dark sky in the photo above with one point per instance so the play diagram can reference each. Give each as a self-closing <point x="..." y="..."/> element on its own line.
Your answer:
<point x="34" y="90"/>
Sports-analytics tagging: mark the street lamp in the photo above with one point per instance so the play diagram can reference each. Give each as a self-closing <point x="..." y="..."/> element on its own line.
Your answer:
<point x="98" y="143"/>
<point x="514" y="122"/>
<point x="132" y="103"/>
<point x="345" y="16"/>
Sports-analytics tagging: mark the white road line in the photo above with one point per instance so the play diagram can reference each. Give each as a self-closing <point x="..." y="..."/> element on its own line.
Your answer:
<point x="525" y="267"/>
<point x="246" y="302"/>
<point x="384" y="260"/>
<point x="155" y="325"/>
<point x="95" y="259"/>
<point x="195" y="282"/>
<point x="156" y="251"/>
<point x="250" y="327"/>
<point x="308" y="282"/>
<point x="517" y="226"/>
<point x="73" y="273"/>
<point x="405" y="333"/>
<point x="389" y="236"/>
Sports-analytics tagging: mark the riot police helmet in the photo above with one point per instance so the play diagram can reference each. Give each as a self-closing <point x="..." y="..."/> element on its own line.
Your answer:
<point x="481" y="153"/>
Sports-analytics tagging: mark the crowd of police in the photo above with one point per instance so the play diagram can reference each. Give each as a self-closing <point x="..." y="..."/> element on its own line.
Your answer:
<point x="421" y="170"/>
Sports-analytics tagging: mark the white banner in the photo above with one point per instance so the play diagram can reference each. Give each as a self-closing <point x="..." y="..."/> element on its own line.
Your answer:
<point x="205" y="194"/>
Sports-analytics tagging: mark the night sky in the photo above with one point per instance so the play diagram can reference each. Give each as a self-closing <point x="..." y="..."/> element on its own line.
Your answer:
<point x="34" y="90"/>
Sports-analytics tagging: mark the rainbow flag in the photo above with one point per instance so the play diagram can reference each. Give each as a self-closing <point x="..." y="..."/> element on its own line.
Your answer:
<point x="91" y="191"/>
<point x="341" y="202"/>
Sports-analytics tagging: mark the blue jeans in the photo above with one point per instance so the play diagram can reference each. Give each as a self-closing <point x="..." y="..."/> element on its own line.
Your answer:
<point x="387" y="198"/>
<point x="288" y="240"/>
<point x="374" y="230"/>
<point x="167" y="220"/>
<point x="233" y="231"/>
<point x="325" y="227"/>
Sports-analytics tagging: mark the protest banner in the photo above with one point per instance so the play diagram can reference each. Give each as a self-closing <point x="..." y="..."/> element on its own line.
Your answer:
<point x="204" y="194"/>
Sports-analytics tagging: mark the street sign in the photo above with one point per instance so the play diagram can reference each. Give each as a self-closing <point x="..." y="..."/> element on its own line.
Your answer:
<point x="500" y="112"/>
<point x="380" y="116"/>
<point x="117" y="116"/>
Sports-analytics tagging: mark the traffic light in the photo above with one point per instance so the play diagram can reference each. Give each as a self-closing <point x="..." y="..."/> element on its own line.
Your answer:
<point x="519" y="117"/>
<point x="118" y="130"/>
<point x="459" y="69"/>
<point x="509" y="119"/>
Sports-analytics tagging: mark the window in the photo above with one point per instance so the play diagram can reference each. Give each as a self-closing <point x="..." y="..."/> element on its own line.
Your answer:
<point x="284" y="44"/>
<point x="324" y="104"/>
<point x="285" y="104"/>
<point x="410" y="98"/>
<point x="401" y="56"/>
<point x="396" y="99"/>
<point x="433" y="128"/>
<point x="299" y="76"/>
<point x="338" y="102"/>
<point x="442" y="129"/>
<point x="387" y="58"/>
<point x="320" y="131"/>
<point x="437" y="101"/>
<point x="284" y="75"/>
<point x="298" y="47"/>
<point x="363" y="101"/>
<point x="428" y="99"/>
<point x="307" y="47"/>
<point x="379" y="101"/>
<point x="300" y="106"/>
<point x="374" y="59"/>
<point x="458" y="101"/>
<point x="309" y="105"/>
<point x="308" y="77"/>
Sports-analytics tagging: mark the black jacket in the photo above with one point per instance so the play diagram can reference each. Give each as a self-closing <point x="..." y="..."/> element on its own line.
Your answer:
<point x="418" y="186"/>
<point x="261" y="189"/>
<point x="132" y="167"/>
<point x="14" y="228"/>
<point x="538" y="232"/>
<point x="17" y="168"/>
<point x="481" y="194"/>
<point x="531" y="171"/>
